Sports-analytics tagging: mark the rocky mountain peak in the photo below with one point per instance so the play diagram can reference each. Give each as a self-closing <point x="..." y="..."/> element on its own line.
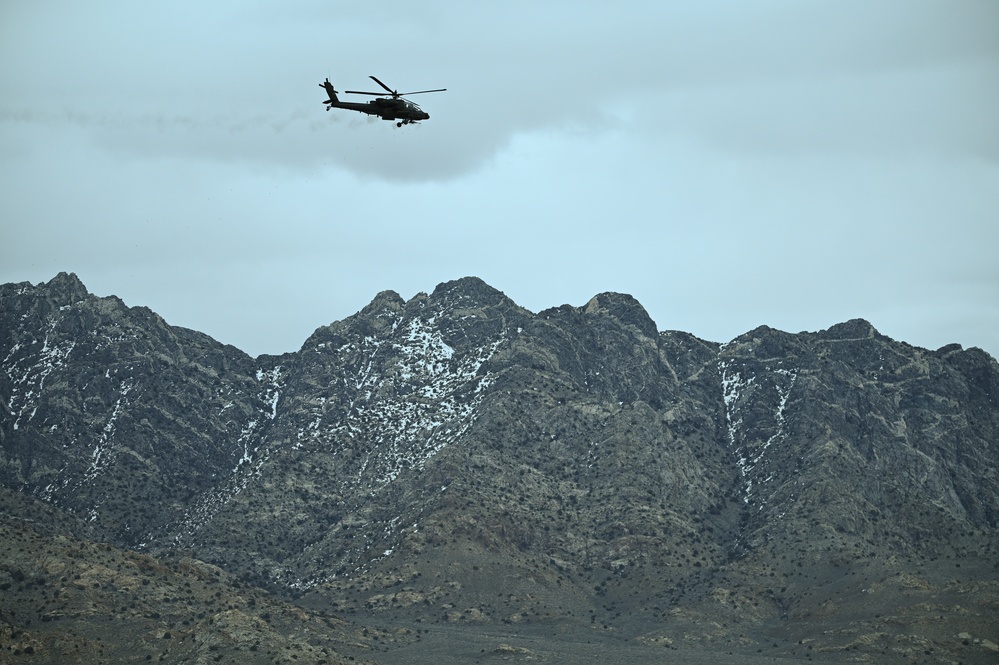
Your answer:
<point x="67" y="288"/>
<point x="469" y="299"/>
<point x="385" y="301"/>
<point x="625" y="309"/>
<point x="470" y="288"/>
<point x="852" y="329"/>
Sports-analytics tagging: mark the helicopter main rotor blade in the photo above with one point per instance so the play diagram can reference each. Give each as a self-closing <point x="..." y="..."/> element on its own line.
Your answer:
<point x="358" y="92"/>
<point x="394" y="93"/>
<point x="420" y="92"/>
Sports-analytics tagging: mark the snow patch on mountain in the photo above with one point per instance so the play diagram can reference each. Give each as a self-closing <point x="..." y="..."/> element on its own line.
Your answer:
<point x="252" y="442"/>
<point x="28" y="371"/>
<point x="103" y="452"/>
<point x="743" y="392"/>
<point x="407" y="423"/>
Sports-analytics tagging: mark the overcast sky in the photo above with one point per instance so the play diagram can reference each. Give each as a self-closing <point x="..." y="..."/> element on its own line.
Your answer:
<point x="729" y="164"/>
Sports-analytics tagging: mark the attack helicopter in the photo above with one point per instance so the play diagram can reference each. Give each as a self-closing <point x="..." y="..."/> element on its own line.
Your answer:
<point x="392" y="107"/>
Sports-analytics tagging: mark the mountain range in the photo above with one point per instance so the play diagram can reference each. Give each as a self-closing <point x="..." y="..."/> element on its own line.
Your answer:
<point x="454" y="477"/>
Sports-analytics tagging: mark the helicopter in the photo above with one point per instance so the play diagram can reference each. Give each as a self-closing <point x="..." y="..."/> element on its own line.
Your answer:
<point x="393" y="107"/>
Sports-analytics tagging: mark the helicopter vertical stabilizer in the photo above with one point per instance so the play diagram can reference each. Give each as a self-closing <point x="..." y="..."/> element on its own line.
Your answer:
<point x="329" y="91"/>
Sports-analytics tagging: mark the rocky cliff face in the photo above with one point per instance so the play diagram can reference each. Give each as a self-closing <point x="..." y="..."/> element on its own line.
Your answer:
<point x="458" y="460"/>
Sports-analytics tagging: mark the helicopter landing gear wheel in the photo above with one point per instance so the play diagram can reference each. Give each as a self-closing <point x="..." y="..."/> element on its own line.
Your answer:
<point x="398" y="124"/>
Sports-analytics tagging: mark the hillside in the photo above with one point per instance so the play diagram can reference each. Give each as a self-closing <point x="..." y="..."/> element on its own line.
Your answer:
<point x="460" y="472"/>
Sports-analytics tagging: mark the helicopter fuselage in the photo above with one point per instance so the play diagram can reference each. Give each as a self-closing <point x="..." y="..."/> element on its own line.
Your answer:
<point x="386" y="108"/>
